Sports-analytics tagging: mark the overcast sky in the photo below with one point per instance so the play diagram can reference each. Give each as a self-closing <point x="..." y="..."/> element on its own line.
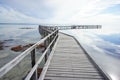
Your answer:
<point x="104" y="12"/>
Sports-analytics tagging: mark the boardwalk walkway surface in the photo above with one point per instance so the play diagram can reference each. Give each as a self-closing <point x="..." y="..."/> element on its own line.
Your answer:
<point x="69" y="62"/>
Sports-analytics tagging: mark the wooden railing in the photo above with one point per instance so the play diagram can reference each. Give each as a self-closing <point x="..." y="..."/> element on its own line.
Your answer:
<point x="72" y="27"/>
<point x="49" y="39"/>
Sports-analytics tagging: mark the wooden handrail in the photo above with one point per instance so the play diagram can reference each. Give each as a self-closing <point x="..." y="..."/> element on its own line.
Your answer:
<point x="39" y="61"/>
<point x="75" y="27"/>
<point x="48" y="62"/>
<point x="6" y="68"/>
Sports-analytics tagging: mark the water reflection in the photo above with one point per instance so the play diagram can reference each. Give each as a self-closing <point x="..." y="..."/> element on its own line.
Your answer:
<point x="14" y="35"/>
<point x="113" y="38"/>
<point x="113" y="47"/>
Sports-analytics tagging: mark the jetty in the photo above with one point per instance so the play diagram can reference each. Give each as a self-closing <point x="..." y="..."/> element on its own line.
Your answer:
<point x="65" y="58"/>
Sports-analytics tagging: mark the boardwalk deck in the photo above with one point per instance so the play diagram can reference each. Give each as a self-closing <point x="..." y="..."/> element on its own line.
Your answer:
<point x="69" y="62"/>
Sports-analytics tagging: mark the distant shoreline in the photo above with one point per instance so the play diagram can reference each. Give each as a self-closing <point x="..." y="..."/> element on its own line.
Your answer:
<point x="19" y="24"/>
<point x="26" y="28"/>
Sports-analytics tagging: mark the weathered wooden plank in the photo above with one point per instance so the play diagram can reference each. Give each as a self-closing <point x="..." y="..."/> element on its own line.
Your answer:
<point x="74" y="73"/>
<point x="72" y="69"/>
<point x="76" y="76"/>
<point x="66" y="78"/>
<point x="57" y="64"/>
<point x="81" y="71"/>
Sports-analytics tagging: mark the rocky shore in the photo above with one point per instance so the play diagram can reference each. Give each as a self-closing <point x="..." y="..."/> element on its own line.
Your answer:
<point x="26" y="28"/>
<point x="19" y="47"/>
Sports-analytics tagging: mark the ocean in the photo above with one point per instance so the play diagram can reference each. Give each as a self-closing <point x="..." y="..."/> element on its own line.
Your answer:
<point x="102" y="45"/>
<point x="12" y="36"/>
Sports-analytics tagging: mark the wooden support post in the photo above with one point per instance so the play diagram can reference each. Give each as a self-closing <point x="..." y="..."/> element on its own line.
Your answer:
<point x="53" y="42"/>
<point x="46" y="55"/>
<point x="50" y="42"/>
<point x="43" y="33"/>
<point x="34" y="76"/>
<point x="54" y="37"/>
<point x="46" y="45"/>
<point x="33" y="57"/>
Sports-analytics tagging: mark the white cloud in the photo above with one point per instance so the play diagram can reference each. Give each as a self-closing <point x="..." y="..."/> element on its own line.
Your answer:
<point x="63" y="11"/>
<point x="86" y="12"/>
<point x="32" y="8"/>
<point x="77" y="10"/>
<point x="10" y="15"/>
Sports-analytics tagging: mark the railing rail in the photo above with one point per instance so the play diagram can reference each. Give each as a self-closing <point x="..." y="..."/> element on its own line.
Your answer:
<point x="40" y="59"/>
<point x="80" y="27"/>
<point x="51" y="39"/>
<point x="73" y="27"/>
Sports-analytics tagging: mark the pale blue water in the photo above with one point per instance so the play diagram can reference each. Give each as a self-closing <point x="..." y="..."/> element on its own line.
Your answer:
<point x="14" y="32"/>
<point x="13" y="35"/>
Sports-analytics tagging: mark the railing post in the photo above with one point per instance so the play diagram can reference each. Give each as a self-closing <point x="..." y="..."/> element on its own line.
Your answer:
<point x="46" y="45"/>
<point x="33" y="57"/>
<point x="45" y="49"/>
<point x="34" y="76"/>
<point x="50" y="42"/>
<point x="43" y="34"/>
<point x="54" y="37"/>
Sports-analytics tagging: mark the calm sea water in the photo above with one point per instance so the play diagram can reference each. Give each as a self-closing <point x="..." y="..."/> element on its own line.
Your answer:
<point x="103" y="47"/>
<point x="14" y="35"/>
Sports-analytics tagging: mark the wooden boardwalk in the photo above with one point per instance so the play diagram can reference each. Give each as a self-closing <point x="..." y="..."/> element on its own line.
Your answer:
<point x="69" y="62"/>
<point x="64" y="58"/>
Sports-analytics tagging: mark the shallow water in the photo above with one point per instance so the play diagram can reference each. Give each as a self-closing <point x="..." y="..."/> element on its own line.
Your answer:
<point x="13" y="35"/>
